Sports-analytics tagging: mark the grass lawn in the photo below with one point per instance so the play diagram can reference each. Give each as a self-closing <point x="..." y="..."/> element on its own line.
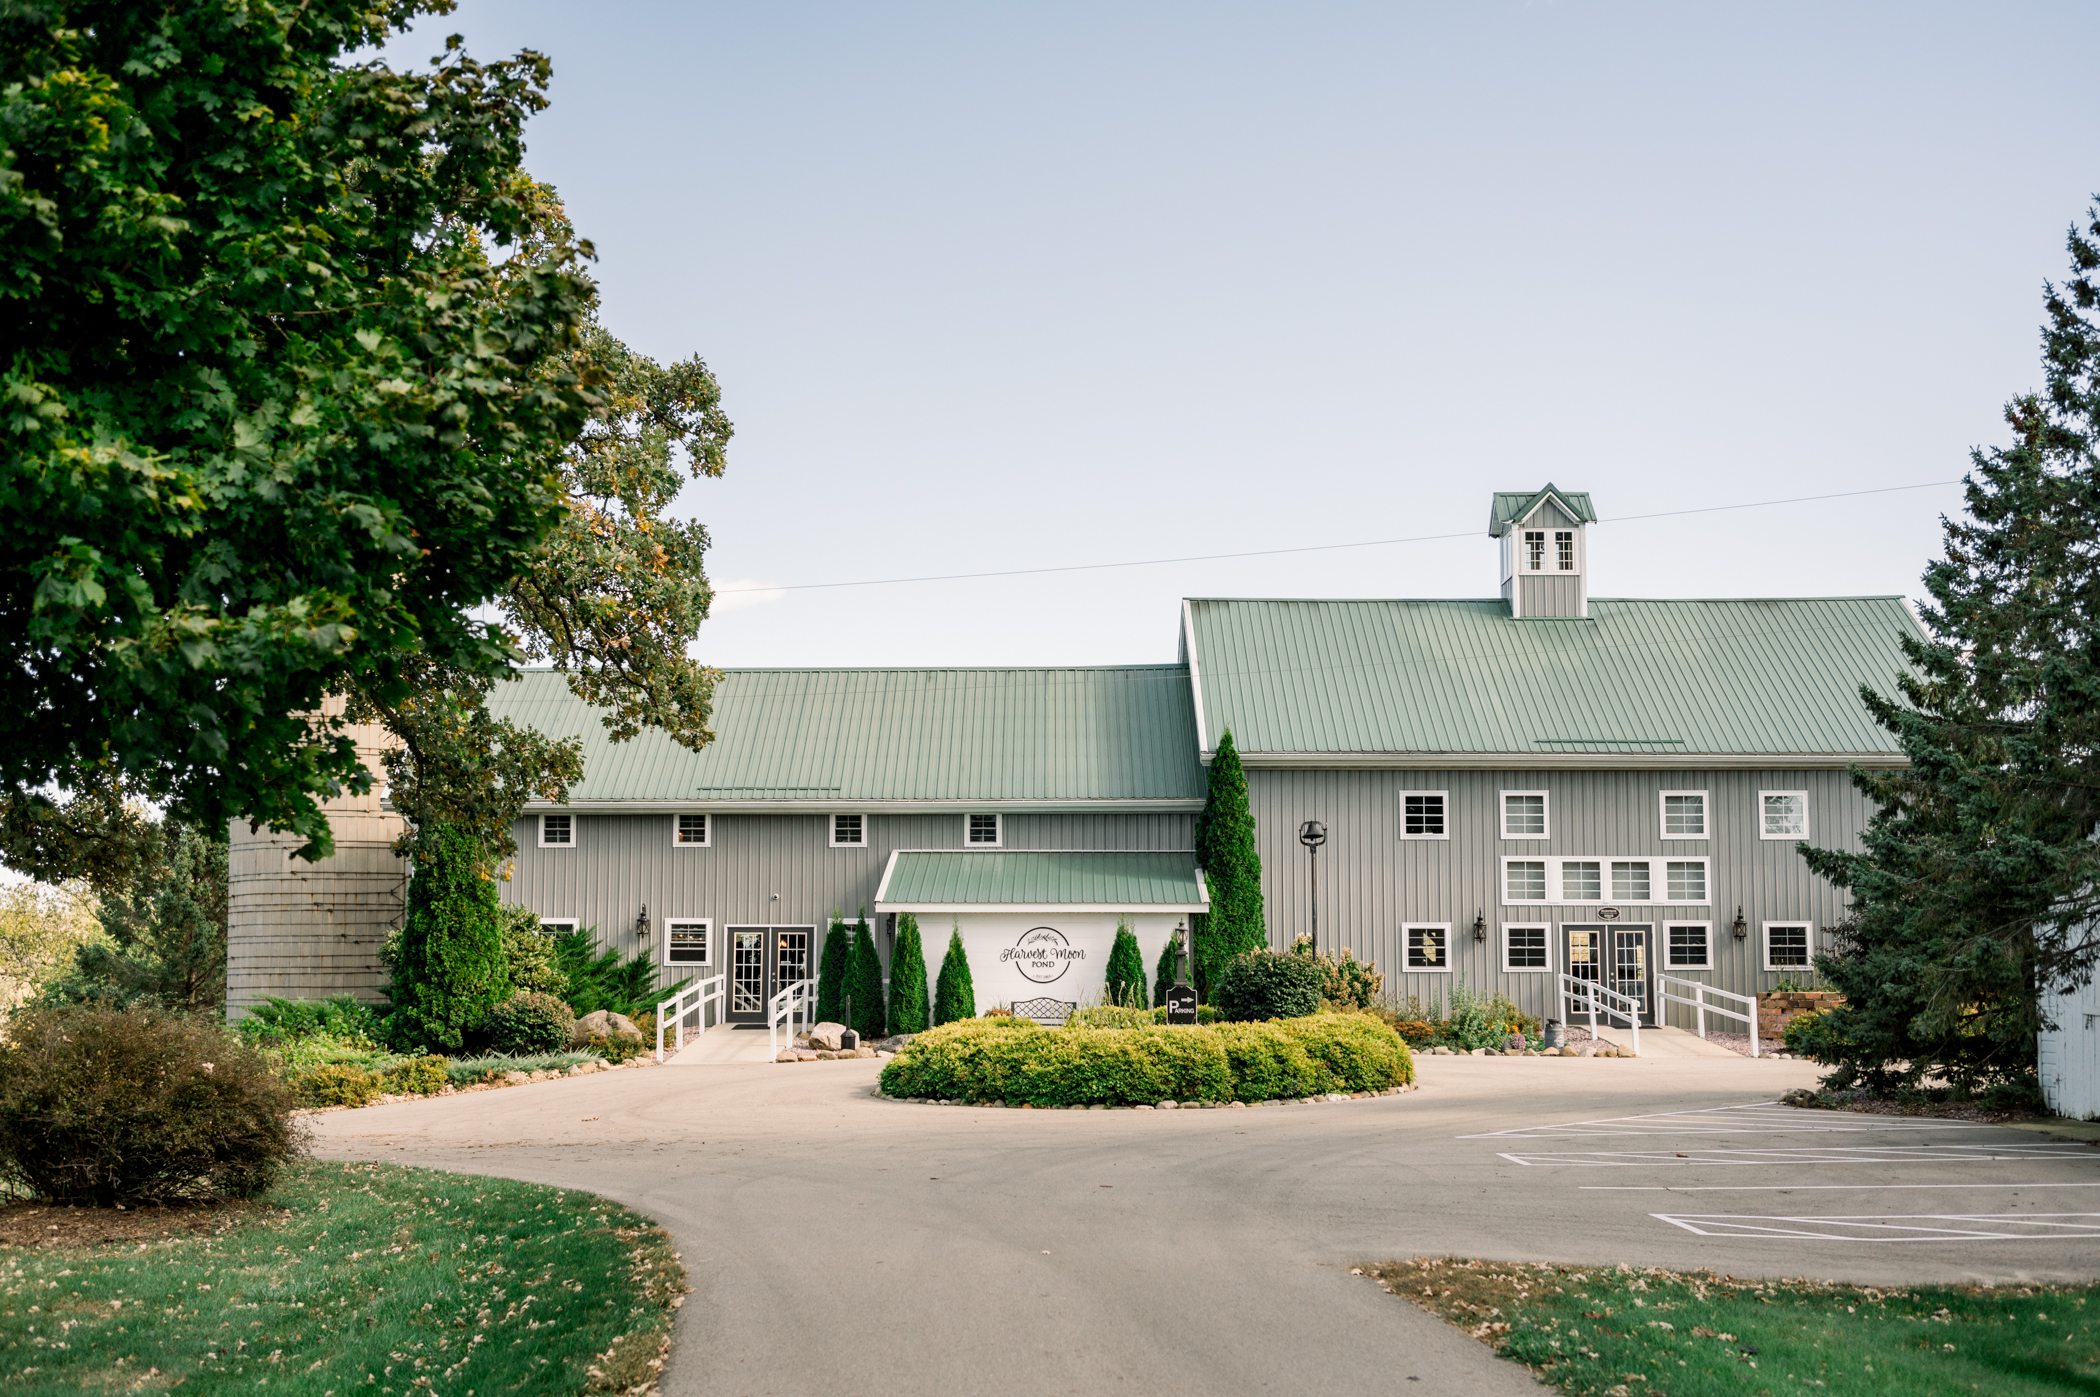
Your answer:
<point x="1619" y="1330"/>
<point x="347" y="1277"/>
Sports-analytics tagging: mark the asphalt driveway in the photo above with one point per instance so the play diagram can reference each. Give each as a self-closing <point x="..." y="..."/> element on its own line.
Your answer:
<point x="834" y="1238"/>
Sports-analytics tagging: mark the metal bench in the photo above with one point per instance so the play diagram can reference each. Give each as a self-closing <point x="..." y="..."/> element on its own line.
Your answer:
<point x="1051" y="1012"/>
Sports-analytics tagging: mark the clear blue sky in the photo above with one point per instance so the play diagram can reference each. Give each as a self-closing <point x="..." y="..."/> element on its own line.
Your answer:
<point x="995" y="285"/>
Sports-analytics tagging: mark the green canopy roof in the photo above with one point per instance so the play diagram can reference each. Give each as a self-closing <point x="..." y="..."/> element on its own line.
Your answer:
<point x="990" y="880"/>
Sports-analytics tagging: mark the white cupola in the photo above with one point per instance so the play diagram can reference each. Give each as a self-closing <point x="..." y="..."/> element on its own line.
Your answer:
<point x="1545" y="554"/>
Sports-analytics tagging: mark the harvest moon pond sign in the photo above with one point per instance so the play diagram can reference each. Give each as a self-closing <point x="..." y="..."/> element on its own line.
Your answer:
<point x="1042" y="954"/>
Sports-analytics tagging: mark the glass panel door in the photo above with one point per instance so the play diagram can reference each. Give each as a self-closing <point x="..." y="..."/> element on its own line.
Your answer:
<point x="790" y="956"/>
<point x="1629" y="967"/>
<point x="747" y="974"/>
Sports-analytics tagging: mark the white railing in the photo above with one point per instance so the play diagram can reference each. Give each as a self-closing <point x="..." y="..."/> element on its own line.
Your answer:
<point x="798" y="998"/>
<point x="1587" y="996"/>
<point x="690" y="1001"/>
<point x="1700" y="998"/>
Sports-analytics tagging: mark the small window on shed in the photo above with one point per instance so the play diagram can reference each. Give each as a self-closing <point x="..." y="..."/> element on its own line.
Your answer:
<point x="1422" y="815"/>
<point x="1427" y="947"/>
<point x="1523" y="814"/>
<point x="691" y="831"/>
<point x="982" y="831"/>
<point x="1784" y="813"/>
<point x="1787" y="946"/>
<point x="1524" y="948"/>
<point x="1684" y="946"/>
<point x="849" y="831"/>
<point x="557" y="831"/>
<point x="685" y="942"/>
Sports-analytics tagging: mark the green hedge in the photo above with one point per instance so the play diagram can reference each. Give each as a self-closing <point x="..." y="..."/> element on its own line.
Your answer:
<point x="1024" y="1064"/>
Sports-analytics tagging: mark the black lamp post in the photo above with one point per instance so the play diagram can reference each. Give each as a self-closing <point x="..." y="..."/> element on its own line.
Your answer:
<point x="1312" y="834"/>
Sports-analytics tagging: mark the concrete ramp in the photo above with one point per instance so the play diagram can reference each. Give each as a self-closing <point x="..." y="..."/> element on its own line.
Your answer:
<point x="721" y="1046"/>
<point x="1667" y="1042"/>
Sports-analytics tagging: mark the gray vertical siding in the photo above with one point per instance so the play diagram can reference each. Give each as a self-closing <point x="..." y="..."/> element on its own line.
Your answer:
<point x="767" y="869"/>
<point x="1551" y="594"/>
<point x="1372" y="882"/>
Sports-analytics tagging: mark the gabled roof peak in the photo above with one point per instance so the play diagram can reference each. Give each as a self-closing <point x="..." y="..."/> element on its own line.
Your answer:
<point x="1511" y="506"/>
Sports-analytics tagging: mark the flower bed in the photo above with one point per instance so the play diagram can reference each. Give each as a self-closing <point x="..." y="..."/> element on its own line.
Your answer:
<point x="1015" y="1062"/>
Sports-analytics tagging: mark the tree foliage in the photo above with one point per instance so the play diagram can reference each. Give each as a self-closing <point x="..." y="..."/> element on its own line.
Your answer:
<point x="1165" y="972"/>
<point x="831" y="972"/>
<point x="41" y="928"/>
<point x="864" y="984"/>
<point x="295" y="354"/>
<point x="1126" y="969"/>
<point x="908" y="1001"/>
<point x="1979" y="880"/>
<point x="1231" y="865"/>
<point x="954" y="996"/>
<point x="449" y="969"/>
<point x="163" y="920"/>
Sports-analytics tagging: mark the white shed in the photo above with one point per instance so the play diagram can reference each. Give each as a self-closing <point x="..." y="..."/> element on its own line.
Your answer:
<point x="2069" y="1054"/>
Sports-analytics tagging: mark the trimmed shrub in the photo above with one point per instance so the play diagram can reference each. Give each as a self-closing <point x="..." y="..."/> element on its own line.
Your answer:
<point x="831" y="973"/>
<point x="864" y="984"/>
<point x="1232" y="867"/>
<point x="1345" y="981"/>
<point x="1268" y="985"/>
<point x="1164" y="974"/>
<point x="617" y="1047"/>
<point x="1126" y="969"/>
<point x="337" y="1084"/>
<point x="1482" y="1021"/>
<point x="909" y="1007"/>
<point x="954" y="997"/>
<point x="277" y="1023"/>
<point x="450" y="971"/>
<point x="416" y="1076"/>
<point x="528" y="954"/>
<point x="1111" y="1016"/>
<point x="104" y="1106"/>
<point x="528" y="1023"/>
<point x="465" y="1071"/>
<point x="1020" y="1063"/>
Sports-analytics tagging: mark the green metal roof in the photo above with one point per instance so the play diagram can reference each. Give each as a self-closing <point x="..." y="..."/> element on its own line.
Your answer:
<point x="944" y="880"/>
<point x="1637" y="678"/>
<point x="845" y="736"/>
<point x="1512" y="505"/>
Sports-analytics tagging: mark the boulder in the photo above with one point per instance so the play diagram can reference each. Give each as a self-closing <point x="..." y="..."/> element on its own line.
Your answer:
<point x="605" y="1024"/>
<point x="895" y="1042"/>
<point x="827" y="1035"/>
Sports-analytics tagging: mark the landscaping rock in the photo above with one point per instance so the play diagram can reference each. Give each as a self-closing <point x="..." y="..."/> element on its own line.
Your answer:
<point x="1169" y="1105"/>
<point x="895" y="1042"/>
<point x="605" y="1024"/>
<point x="516" y="1078"/>
<point x="1477" y="1052"/>
<point x="786" y="1055"/>
<point x="826" y="1055"/>
<point x="828" y="1036"/>
<point x="1570" y="1050"/>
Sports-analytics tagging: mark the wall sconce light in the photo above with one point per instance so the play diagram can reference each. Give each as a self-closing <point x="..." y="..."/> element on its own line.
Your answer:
<point x="1738" y="926"/>
<point x="641" y="924"/>
<point x="1480" y="925"/>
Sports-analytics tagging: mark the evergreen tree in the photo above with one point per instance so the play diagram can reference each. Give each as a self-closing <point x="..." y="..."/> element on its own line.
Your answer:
<point x="163" y="916"/>
<point x="1167" y="970"/>
<point x="1126" y="969"/>
<point x="954" y="997"/>
<point x="1978" y="885"/>
<point x="908" y="1003"/>
<point x="831" y="973"/>
<point x="1232" y="867"/>
<point x="449" y="971"/>
<point x="864" y="984"/>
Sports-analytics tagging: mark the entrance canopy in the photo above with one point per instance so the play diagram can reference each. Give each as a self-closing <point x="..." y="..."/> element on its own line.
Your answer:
<point x="950" y="880"/>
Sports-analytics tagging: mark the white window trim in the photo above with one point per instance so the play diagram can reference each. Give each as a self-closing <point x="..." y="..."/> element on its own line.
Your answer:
<point x="1765" y="935"/>
<point x="553" y="924"/>
<point x="1706" y="814"/>
<point x="831" y="830"/>
<point x="1765" y="833"/>
<point x="1445" y="797"/>
<point x="1502" y="804"/>
<point x="1707" y="964"/>
<point x="998" y="830"/>
<point x="1552" y="873"/>
<point x="1410" y="969"/>
<point x="706" y="843"/>
<point x="1507" y="968"/>
<point x="1524" y="550"/>
<point x="665" y="953"/>
<point x="572" y="841"/>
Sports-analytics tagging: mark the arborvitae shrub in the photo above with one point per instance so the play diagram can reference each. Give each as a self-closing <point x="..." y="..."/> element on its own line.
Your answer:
<point x="102" y="1106"/>
<point x="450" y="971"/>
<point x="1126" y="969"/>
<point x="908" y="1002"/>
<point x="528" y="954"/>
<point x="954" y="997"/>
<point x="831" y="973"/>
<point x="1232" y="869"/>
<point x="1269" y="985"/>
<point x="527" y="1023"/>
<point x="1164" y="974"/>
<point x="864" y="984"/>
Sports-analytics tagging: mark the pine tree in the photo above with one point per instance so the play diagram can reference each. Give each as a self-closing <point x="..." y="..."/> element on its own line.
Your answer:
<point x="908" y="1004"/>
<point x="831" y="972"/>
<point x="1231" y="866"/>
<point x="864" y="984"/>
<point x="449" y="971"/>
<point x="1978" y="886"/>
<point x="1126" y="969"/>
<point x="954" y="997"/>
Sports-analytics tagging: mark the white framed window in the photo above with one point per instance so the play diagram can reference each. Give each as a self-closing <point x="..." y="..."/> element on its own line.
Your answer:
<point x="1524" y="815"/>
<point x="1426" y="946"/>
<point x="982" y="832"/>
<point x="1685" y="879"/>
<point x="556" y="925"/>
<point x="1425" y="814"/>
<point x="1581" y="880"/>
<point x="691" y="830"/>
<point x="1526" y="946"/>
<point x="1534" y="550"/>
<point x="1523" y="880"/>
<point x="1782" y="814"/>
<point x="1630" y="881"/>
<point x="557" y="830"/>
<point x="1789" y="946"/>
<point x="1687" y="946"/>
<point x="849" y="831"/>
<point x="686" y="941"/>
<point x="1684" y="815"/>
<point x="1564" y="549"/>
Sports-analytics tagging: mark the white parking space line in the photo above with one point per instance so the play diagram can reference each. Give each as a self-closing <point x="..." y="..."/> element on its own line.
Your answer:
<point x="1803" y="1154"/>
<point x="1902" y="1227"/>
<point x="1818" y="1188"/>
<point x="1759" y="1118"/>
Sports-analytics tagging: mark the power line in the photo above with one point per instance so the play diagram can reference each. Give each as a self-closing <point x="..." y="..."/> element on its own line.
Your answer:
<point x="1304" y="548"/>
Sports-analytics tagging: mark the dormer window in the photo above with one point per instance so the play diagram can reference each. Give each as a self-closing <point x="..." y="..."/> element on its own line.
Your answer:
<point x="1564" y="549"/>
<point x="1534" y="550"/>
